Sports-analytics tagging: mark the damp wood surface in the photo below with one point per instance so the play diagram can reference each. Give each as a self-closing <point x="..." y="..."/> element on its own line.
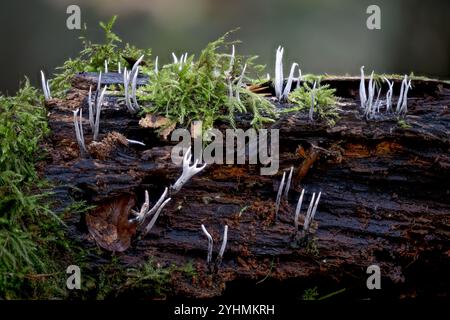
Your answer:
<point x="385" y="195"/>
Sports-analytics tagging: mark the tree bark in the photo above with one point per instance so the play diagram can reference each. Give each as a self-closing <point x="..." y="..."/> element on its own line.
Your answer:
<point x="385" y="197"/>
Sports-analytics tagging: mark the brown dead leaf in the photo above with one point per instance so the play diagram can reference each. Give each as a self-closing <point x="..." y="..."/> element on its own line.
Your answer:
<point x="109" y="226"/>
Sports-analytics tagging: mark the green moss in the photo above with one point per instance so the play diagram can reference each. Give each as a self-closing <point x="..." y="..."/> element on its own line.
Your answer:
<point x="112" y="280"/>
<point x="200" y="90"/>
<point x="29" y="230"/>
<point x="310" y="294"/>
<point x="34" y="248"/>
<point x="324" y="100"/>
<point x="151" y="277"/>
<point x="156" y="279"/>
<point x="92" y="58"/>
<point x="310" y="78"/>
<point x="402" y="123"/>
<point x="312" y="248"/>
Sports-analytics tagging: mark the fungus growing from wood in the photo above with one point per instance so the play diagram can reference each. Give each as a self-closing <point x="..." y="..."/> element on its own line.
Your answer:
<point x="288" y="183"/>
<point x="188" y="171"/>
<point x="210" y="245"/>
<point x="224" y="244"/>
<point x="311" y="212"/>
<point x="77" y="122"/>
<point x="130" y="78"/>
<point x="45" y="87"/>
<point x="402" y="103"/>
<point x="362" y="90"/>
<point x="313" y="102"/>
<point x="281" y="93"/>
<point x="298" y="209"/>
<point x="371" y="108"/>
<point x="144" y="226"/>
<point x="280" y="192"/>
<point x="95" y="109"/>
<point x="287" y="88"/>
<point x="239" y="83"/>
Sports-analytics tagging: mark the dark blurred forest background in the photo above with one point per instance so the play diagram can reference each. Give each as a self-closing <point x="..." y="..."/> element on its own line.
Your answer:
<point x="324" y="36"/>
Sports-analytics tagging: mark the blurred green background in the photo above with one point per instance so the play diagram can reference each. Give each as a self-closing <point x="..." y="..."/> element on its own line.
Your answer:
<point x="323" y="36"/>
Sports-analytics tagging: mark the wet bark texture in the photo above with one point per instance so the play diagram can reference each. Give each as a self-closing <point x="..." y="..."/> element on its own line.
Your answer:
<point x="385" y="196"/>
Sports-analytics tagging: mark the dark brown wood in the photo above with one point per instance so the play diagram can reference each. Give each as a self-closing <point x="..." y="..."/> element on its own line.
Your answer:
<point x="385" y="196"/>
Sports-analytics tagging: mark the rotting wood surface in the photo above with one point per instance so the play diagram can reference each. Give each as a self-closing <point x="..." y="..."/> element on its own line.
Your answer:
<point x="385" y="195"/>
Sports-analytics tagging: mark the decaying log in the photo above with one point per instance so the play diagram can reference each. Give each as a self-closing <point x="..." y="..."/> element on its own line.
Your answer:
<point x="385" y="196"/>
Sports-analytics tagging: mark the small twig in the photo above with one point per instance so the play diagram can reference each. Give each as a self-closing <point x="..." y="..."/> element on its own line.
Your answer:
<point x="331" y="294"/>
<point x="268" y="274"/>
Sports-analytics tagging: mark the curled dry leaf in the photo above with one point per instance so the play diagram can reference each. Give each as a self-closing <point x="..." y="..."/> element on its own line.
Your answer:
<point x="109" y="226"/>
